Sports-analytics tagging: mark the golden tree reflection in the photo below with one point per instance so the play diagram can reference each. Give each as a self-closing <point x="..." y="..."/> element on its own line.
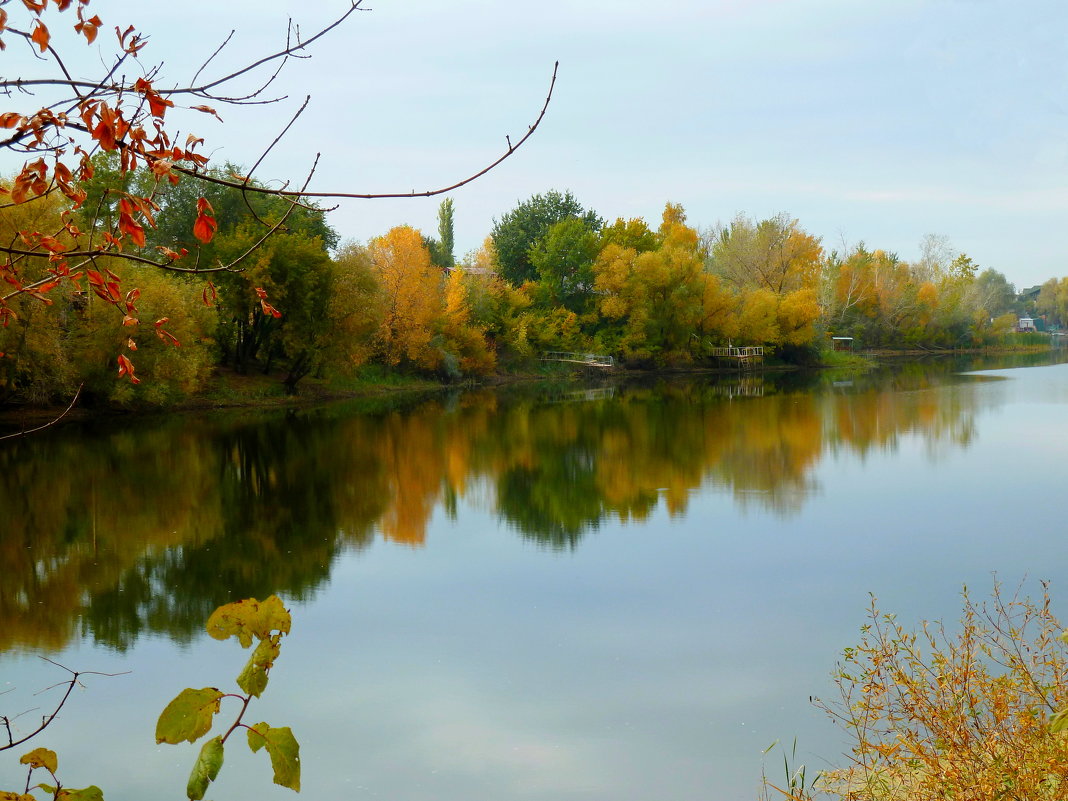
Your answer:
<point x="177" y="518"/>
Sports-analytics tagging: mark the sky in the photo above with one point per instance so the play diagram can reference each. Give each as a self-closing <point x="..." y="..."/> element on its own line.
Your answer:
<point x="877" y="122"/>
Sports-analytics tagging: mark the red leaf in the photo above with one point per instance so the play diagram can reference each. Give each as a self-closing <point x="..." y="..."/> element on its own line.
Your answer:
<point x="128" y="225"/>
<point x="270" y="310"/>
<point x="204" y="228"/>
<point x="214" y="295"/>
<point x="126" y="368"/>
<point x="131" y="344"/>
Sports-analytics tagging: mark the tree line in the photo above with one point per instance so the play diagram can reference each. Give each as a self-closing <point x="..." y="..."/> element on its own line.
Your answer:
<point x="551" y="275"/>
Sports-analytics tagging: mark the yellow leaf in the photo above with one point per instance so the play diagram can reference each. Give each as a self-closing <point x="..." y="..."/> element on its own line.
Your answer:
<point x="40" y="758"/>
<point x="249" y="618"/>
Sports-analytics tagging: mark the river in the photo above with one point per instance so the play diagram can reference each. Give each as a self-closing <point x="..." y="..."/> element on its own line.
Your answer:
<point x="620" y="592"/>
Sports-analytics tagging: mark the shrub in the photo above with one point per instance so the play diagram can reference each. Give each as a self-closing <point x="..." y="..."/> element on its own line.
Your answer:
<point x="961" y="712"/>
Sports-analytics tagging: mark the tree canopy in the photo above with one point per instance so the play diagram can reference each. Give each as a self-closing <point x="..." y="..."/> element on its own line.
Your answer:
<point x="522" y="228"/>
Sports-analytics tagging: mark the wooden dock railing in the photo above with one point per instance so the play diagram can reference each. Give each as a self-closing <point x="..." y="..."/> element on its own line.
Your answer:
<point x="588" y="359"/>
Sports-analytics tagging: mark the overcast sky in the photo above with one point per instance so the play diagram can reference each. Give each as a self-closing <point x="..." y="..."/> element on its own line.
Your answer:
<point x="877" y="121"/>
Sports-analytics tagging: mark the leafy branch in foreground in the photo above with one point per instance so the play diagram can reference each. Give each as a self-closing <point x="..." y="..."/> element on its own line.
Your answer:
<point x="191" y="714"/>
<point x="130" y="109"/>
<point x="959" y="711"/>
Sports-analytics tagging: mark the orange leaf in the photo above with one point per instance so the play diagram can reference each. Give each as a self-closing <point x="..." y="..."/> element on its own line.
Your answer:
<point x="158" y="105"/>
<point x="131" y="344"/>
<point x="9" y="119"/>
<point x="208" y="110"/>
<point x="40" y="35"/>
<point x="105" y="135"/>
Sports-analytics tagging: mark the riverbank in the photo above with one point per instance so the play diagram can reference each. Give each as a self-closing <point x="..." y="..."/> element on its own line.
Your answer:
<point x="229" y="389"/>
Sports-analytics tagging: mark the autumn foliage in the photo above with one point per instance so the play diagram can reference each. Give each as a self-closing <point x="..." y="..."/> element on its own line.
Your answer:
<point x="70" y="127"/>
<point x="954" y="711"/>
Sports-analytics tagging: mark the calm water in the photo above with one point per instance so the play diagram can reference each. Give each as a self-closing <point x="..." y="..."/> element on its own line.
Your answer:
<point x="619" y="593"/>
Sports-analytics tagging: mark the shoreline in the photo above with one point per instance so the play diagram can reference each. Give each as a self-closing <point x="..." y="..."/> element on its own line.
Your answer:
<point x="248" y="392"/>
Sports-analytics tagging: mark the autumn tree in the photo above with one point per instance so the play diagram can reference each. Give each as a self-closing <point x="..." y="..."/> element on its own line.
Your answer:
<point x="1053" y="301"/>
<point x="354" y="312"/>
<point x="774" y="254"/>
<point x="632" y="233"/>
<point x="411" y="298"/>
<point x="466" y="350"/>
<point x="655" y="303"/>
<point x="132" y="109"/>
<point x="36" y="364"/>
<point x="524" y="226"/>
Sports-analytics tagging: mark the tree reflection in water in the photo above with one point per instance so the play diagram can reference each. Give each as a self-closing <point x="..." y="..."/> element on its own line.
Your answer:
<point x="111" y="534"/>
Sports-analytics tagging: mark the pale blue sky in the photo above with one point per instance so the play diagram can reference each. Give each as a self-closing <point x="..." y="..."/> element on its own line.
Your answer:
<point x="878" y="121"/>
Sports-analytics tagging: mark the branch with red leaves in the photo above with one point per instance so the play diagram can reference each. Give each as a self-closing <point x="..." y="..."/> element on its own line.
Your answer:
<point x="129" y="117"/>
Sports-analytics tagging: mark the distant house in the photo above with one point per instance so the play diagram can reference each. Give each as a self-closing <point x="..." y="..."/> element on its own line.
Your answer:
<point x="842" y="343"/>
<point x="1030" y="295"/>
<point x="1026" y="324"/>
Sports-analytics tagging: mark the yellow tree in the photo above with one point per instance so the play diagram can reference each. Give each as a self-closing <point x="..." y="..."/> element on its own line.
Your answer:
<point x="654" y="301"/>
<point x="354" y="312"/>
<point x="411" y="298"/>
<point x="462" y="338"/>
<point x="773" y="254"/>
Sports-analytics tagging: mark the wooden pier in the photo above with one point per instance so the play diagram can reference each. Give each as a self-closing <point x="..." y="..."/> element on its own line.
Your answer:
<point x="587" y="359"/>
<point x="743" y="357"/>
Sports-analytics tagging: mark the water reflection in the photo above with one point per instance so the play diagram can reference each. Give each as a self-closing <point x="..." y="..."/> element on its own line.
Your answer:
<point x="110" y="534"/>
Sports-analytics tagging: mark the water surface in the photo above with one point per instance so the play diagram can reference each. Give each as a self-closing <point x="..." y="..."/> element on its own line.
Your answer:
<point x="621" y="592"/>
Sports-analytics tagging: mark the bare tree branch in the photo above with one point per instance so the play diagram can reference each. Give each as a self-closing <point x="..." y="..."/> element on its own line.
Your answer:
<point x="12" y="742"/>
<point x="26" y="433"/>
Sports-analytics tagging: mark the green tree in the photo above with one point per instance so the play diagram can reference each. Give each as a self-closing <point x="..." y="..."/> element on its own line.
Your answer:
<point x="442" y="249"/>
<point x="563" y="261"/>
<point x="295" y="272"/>
<point x="521" y="229"/>
<point x="996" y="295"/>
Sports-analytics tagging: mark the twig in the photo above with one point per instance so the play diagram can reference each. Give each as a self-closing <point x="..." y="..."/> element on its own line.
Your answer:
<point x="42" y="428"/>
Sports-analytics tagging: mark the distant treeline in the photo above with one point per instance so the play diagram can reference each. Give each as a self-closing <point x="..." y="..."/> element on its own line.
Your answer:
<point x="551" y="275"/>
